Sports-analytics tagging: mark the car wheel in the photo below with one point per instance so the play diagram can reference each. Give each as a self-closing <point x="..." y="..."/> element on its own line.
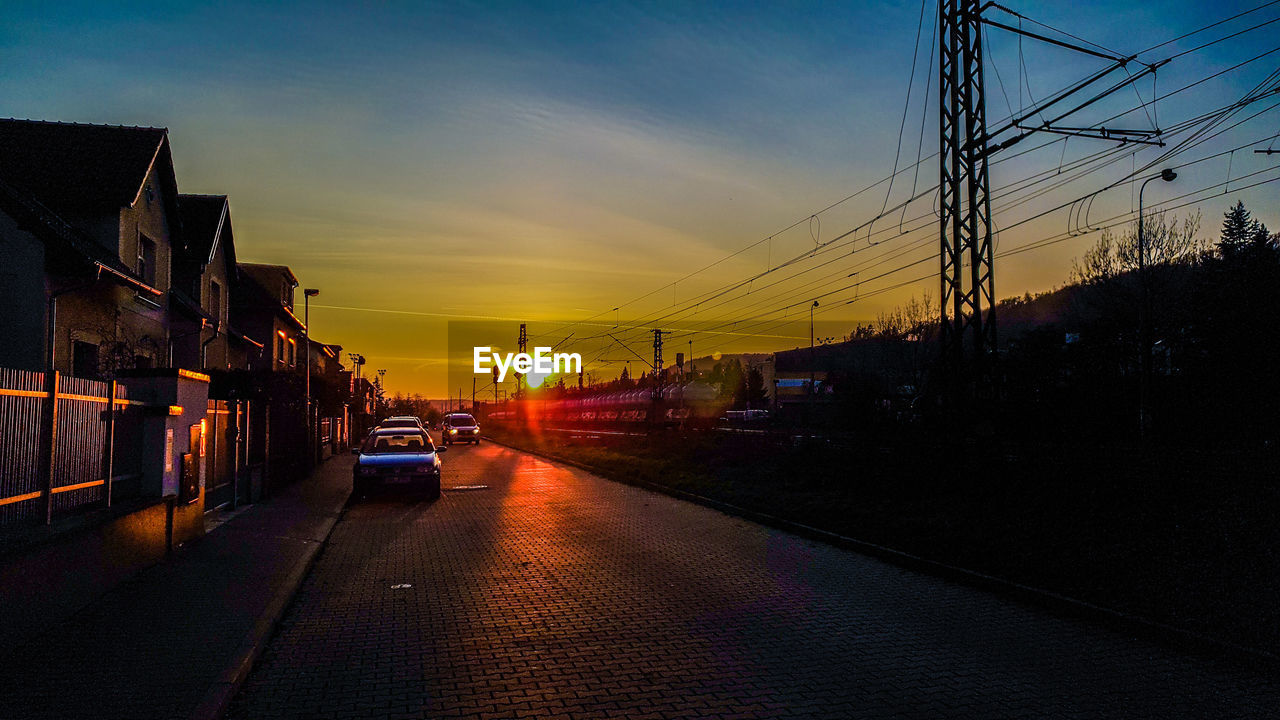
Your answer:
<point x="433" y="492"/>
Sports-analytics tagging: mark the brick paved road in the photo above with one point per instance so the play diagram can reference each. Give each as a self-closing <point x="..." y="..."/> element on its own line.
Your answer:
<point x="553" y="593"/>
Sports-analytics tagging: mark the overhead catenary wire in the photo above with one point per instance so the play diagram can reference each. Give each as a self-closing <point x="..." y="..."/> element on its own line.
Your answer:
<point x="691" y="304"/>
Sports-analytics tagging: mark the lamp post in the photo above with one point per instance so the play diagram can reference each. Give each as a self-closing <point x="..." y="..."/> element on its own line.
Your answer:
<point x="307" y="294"/>
<point x="812" y="375"/>
<point x="1144" y="312"/>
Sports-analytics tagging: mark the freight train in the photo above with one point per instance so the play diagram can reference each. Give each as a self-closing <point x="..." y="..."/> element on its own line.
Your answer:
<point x="690" y="405"/>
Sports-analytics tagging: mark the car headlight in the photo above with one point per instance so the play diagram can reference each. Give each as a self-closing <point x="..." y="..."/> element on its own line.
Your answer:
<point x="426" y="468"/>
<point x="453" y="431"/>
<point x="368" y="471"/>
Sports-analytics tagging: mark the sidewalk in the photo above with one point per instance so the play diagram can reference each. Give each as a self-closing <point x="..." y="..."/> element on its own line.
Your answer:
<point x="176" y="640"/>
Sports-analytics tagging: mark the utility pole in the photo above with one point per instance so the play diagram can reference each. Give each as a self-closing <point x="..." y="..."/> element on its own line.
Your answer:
<point x="523" y="342"/>
<point x="968" y="337"/>
<point x="968" y="320"/>
<point x="1144" y="313"/>
<point x="812" y="364"/>
<point x="657" y="363"/>
<point x="654" y="418"/>
<point x="307" y="294"/>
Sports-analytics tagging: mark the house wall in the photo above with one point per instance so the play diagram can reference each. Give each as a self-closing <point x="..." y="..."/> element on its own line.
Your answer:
<point x="22" y="297"/>
<point x="106" y="314"/>
<point x="185" y="336"/>
<point x="290" y="333"/>
<point x="148" y="217"/>
<point x="216" y="354"/>
<point x="240" y="355"/>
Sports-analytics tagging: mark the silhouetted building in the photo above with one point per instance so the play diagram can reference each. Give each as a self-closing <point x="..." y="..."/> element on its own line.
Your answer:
<point x="88" y="220"/>
<point x="262" y="307"/>
<point x="202" y="334"/>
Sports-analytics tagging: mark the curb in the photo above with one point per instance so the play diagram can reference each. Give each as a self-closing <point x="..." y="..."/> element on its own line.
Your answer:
<point x="1062" y="605"/>
<point x="218" y="697"/>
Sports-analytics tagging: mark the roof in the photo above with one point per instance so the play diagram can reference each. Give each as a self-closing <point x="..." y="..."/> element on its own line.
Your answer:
<point x="237" y="335"/>
<point x="205" y="218"/>
<point x="77" y="168"/>
<point x="79" y="250"/>
<point x="183" y="302"/>
<point x="266" y="275"/>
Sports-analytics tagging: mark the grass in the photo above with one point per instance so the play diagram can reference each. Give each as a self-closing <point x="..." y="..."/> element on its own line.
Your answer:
<point x="1189" y="539"/>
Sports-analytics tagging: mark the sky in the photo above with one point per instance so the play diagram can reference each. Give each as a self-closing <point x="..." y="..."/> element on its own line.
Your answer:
<point x="422" y="163"/>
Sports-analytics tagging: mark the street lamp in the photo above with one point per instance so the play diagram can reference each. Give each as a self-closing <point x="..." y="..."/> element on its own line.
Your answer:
<point x="1144" y="311"/>
<point x="812" y="375"/>
<point x="307" y="294"/>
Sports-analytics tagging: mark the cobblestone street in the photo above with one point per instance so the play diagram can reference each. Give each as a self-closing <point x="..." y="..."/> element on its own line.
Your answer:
<point x="534" y="590"/>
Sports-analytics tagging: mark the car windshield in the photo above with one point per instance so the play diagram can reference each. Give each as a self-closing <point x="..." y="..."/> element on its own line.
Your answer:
<point x="379" y="443"/>
<point x="399" y="422"/>
<point x="462" y="420"/>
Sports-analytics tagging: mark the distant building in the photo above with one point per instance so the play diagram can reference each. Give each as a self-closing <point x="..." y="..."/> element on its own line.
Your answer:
<point x="88" y="222"/>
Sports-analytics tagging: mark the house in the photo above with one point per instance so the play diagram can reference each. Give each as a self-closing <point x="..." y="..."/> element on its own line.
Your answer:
<point x="202" y="335"/>
<point x="88" y="220"/>
<point x="262" y="307"/>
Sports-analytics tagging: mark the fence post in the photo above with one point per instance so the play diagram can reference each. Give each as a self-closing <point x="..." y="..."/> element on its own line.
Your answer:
<point x="49" y="440"/>
<point x="237" y="442"/>
<point x="266" y="449"/>
<point x="111" y="437"/>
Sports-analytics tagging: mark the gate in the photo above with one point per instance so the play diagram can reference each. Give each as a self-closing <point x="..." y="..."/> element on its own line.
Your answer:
<point x="225" y="478"/>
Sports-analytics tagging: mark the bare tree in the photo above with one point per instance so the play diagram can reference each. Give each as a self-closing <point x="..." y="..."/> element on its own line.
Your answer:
<point x="1167" y="243"/>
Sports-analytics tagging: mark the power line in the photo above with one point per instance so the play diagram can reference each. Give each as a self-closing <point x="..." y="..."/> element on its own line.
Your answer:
<point x="694" y="303"/>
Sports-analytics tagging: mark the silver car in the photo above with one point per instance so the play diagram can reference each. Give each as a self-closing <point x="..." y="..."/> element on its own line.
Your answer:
<point x="459" y="427"/>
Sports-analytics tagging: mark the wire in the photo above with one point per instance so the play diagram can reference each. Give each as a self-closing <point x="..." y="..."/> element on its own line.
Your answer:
<point x="1208" y="27"/>
<point x="1086" y="164"/>
<point x="906" y="106"/>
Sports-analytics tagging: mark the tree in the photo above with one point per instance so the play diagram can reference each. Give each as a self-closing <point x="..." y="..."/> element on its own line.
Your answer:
<point x="1237" y="230"/>
<point x="1166" y="243"/>
<point x="733" y="383"/>
<point x="755" y="394"/>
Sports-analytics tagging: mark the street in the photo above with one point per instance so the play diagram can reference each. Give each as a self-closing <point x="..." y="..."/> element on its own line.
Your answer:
<point x="531" y="589"/>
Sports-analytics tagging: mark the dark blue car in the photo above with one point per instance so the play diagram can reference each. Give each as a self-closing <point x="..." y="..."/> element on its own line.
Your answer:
<point x="401" y="459"/>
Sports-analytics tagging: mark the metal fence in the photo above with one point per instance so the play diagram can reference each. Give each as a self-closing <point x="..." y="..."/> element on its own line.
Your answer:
<point x="95" y="444"/>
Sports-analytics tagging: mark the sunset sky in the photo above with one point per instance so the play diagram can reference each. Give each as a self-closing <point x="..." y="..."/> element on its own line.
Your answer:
<point x="419" y="162"/>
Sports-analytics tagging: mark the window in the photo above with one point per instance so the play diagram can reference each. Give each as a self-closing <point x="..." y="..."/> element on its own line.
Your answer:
<point x="215" y="301"/>
<point x="84" y="359"/>
<point x="293" y="352"/>
<point x="147" y="259"/>
<point x="286" y="294"/>
<point x="280" y="347"/>
<point x="410" y="442"/>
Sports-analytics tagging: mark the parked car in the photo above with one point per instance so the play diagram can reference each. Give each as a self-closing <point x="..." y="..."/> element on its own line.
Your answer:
<point x="399" y="459"/>
<point x="459" y="427"/>
<point x="402" y="421"/>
